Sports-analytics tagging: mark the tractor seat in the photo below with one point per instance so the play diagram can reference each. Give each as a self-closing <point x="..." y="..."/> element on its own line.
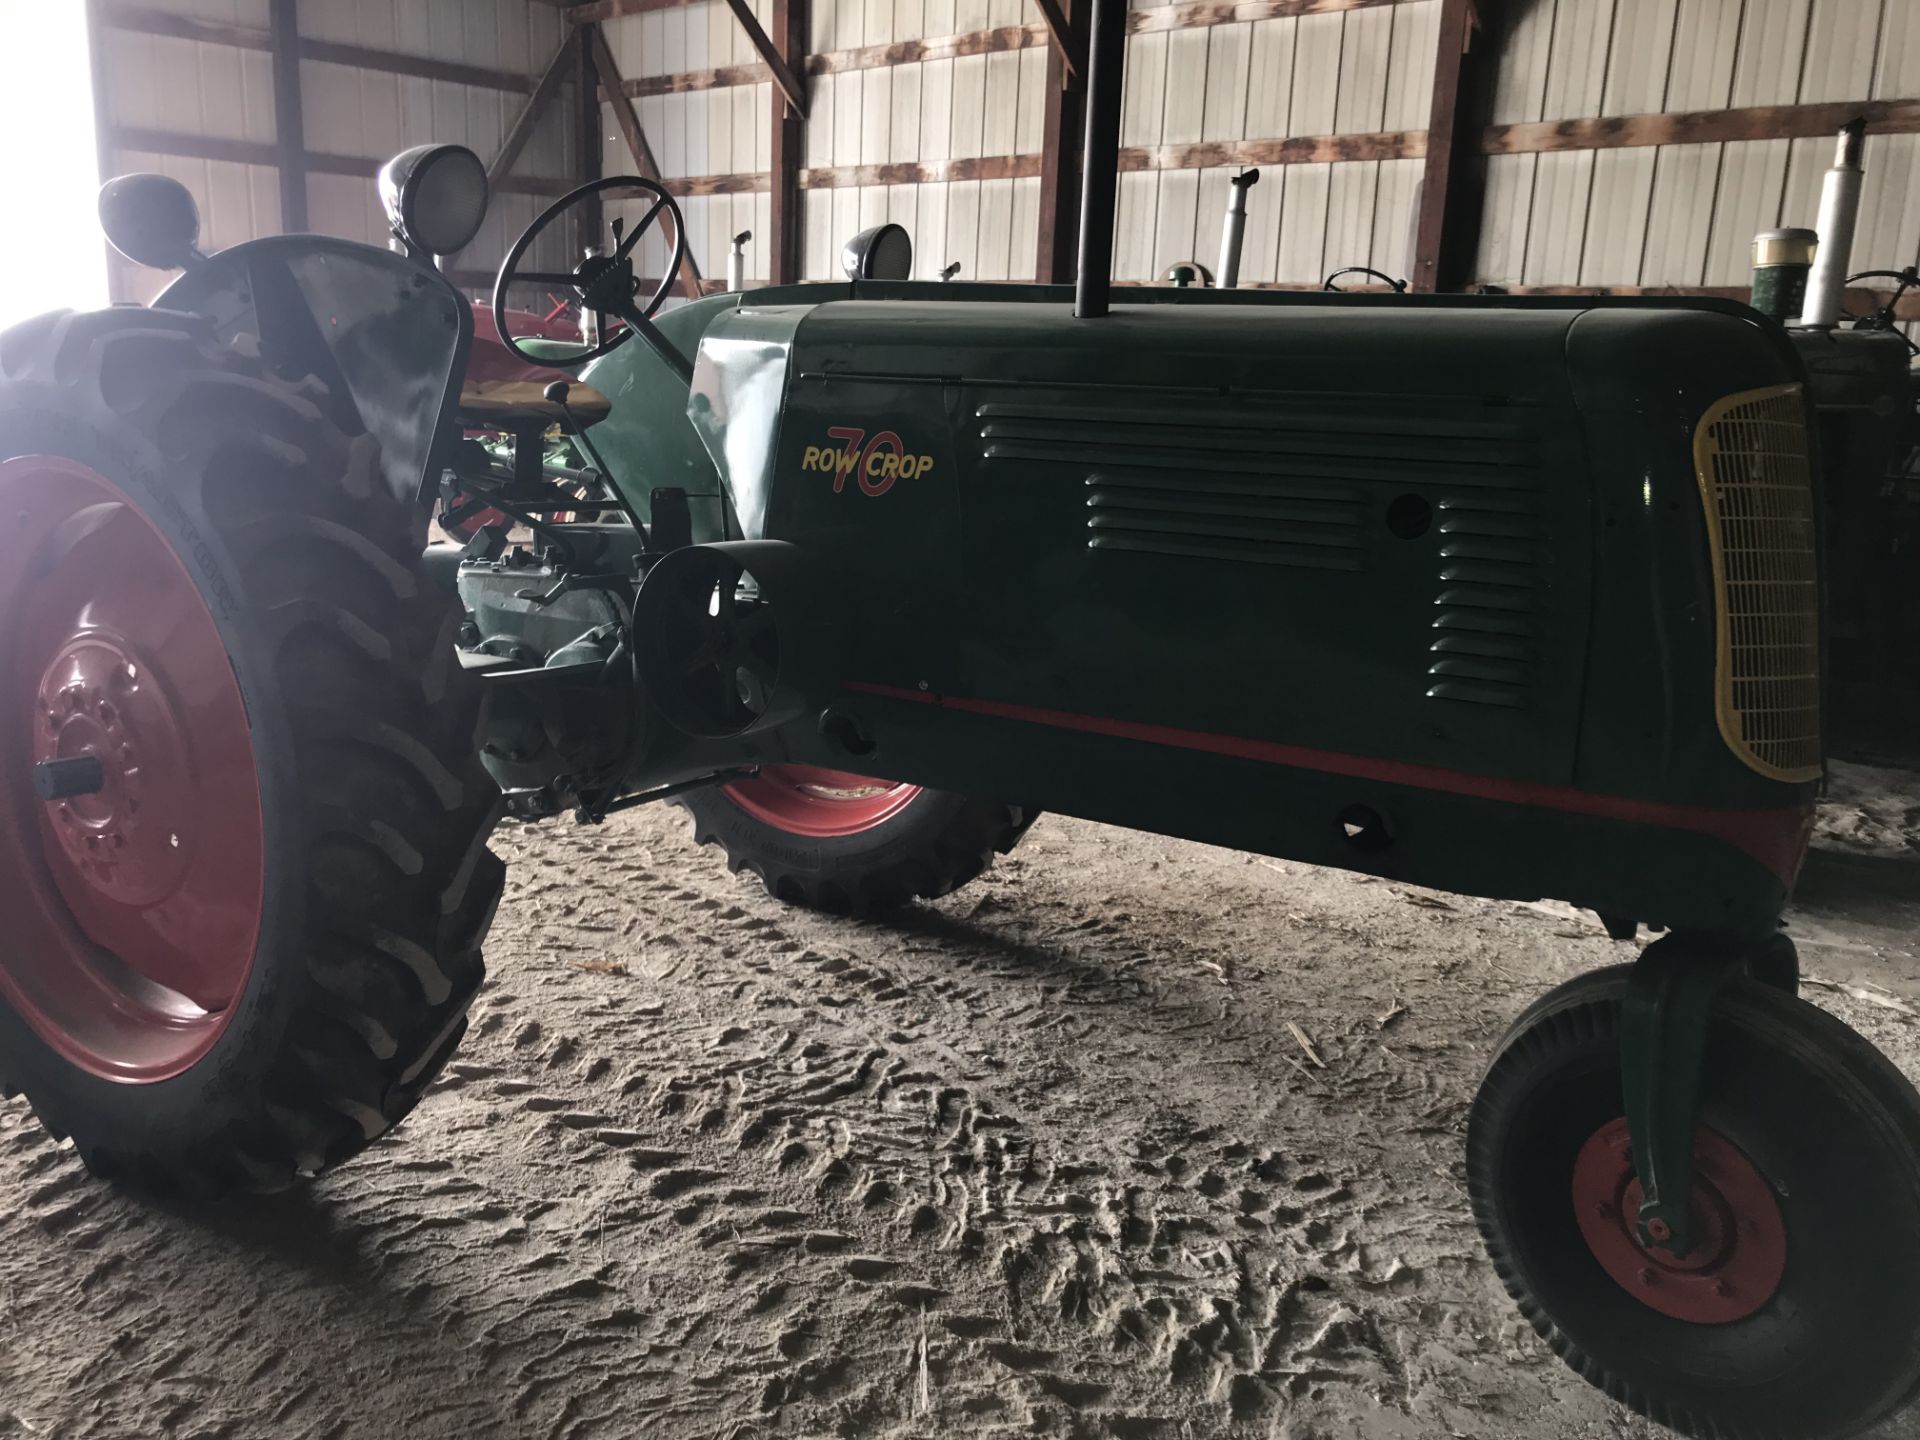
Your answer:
<point x="521" y="404"/>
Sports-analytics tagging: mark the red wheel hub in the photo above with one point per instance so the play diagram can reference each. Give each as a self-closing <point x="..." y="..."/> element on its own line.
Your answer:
<point x="1739" y="1249"/>
<point x="134" y="909"/>
<point x="807" y="800"/>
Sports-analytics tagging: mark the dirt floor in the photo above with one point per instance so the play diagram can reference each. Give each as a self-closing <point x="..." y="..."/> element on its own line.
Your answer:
<point x="1132" y="1138"/>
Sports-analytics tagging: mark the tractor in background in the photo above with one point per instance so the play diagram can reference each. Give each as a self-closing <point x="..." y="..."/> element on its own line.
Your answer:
<point x="1517" y="597"/>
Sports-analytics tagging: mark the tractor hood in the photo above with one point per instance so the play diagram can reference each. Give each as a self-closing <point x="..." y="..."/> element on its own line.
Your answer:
<point x="739" y="386"/>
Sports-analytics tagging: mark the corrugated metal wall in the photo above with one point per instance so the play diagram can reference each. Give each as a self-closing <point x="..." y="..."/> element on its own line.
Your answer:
<point x="718" y="131"/>
<point x="965" y="108"/>
<point x="1686" y="214"/>
<point x="189" y="87"/>
<point x="203" y="89"/>
<point x="1640" y="216"/>
<point x="1356" y="72"/>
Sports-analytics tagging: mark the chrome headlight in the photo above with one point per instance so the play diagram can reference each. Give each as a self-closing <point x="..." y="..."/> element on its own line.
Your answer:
<point x="435" y="196"/>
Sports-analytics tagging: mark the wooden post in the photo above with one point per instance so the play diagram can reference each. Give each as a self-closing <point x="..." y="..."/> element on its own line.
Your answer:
<point x="590" y="163"/>
<point x="289" y="117"/>
<point x="606" y="71"/>
<point x="1062" y="129"/>
<point x="1453" y="185"/>
<point x="521" y="130"/>
<point x="783" y="247"/>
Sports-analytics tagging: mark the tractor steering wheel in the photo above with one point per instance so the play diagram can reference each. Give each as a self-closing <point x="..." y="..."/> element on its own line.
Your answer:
<point x="606" y="284"/>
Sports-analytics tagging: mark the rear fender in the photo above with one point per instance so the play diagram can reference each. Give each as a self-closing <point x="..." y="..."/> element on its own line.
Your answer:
<point x="388" y="336"/>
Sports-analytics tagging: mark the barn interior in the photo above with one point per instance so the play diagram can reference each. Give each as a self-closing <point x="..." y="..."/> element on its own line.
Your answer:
<point x="1028" y="628"/>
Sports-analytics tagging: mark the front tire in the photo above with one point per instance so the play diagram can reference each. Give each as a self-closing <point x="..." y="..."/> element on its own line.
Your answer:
<point x="247" y="953"/>
<point x="1798" y="1315"/>
<point x="847" y="845"/>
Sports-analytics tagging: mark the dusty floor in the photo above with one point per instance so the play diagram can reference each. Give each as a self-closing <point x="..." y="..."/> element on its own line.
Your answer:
<point x="1043" y="1157"/>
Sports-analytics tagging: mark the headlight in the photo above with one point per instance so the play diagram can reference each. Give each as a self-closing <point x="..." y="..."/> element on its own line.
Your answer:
<point x="152" y="220"/>
<point x="435" y="196"/>
<point x="883" y="253"/>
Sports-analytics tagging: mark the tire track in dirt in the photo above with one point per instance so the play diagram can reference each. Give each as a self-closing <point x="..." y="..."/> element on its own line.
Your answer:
<point x="1041" y="1157"/>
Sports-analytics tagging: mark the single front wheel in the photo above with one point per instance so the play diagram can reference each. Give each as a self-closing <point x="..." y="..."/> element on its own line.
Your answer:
<point x="1796" y="1314"/>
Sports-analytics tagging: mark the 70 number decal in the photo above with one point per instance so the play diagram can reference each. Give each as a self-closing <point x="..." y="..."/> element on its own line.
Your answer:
<point x="874" y="463"/>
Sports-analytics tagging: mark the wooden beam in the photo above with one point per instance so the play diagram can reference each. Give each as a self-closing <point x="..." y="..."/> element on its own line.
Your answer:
<point x="687" y="81"/>
<point x="941" y="47"/>
<point x="417" y="67"/>
<point x="1294" y="150"/>
<point x="1444" y="181"/>
<point x="1452" y="184"/>
<point x="151" y="20"/>
<point x="1208" y="12"/>
<point x="260" y="152"/>
<point x="148" y="20"/>
<point x="589" y="141"/>
<point x="1161" y="17"/>
<point x="783" y="75"/>
<point x="1693" y="127"/>
<point x="1063" y="130"/>
<point x="924" y="172"/>
<point x="523" y="124"/>
<point x="1065" y="43"/>
<point x="601" y="11"/>
<point x="785" y="262"/>
<point x="628" y="122"/>
<point x="289" y="115"/>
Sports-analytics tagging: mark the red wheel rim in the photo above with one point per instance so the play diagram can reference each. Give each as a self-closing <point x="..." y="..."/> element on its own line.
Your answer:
<point x="807" y="800"/>
<point x="1740" y="1240"/>
<point x="133" y="912"/>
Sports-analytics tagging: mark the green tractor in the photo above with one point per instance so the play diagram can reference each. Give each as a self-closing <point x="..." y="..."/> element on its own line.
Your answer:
<point x="1514" y="597"/>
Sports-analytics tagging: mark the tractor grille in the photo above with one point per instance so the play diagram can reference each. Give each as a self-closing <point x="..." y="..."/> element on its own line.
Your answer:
<point x="1750" y="452"/>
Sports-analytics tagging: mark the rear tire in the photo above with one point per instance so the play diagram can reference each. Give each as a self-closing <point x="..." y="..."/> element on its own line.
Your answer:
<point x="1827" y="1133"/>
<point x="374" y="809"/>
<point x="928" y="846"/>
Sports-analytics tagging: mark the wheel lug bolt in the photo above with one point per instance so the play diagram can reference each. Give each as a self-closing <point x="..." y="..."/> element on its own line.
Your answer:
<point x="1647" y="1277"/>
<point x="1603" y="1210"/>
<point x="1722" y="1289"/>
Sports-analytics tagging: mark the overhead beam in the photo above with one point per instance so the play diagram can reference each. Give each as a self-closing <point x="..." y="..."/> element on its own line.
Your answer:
<point x="1693" y="127"/>
<point x="148" y="141"/>
<point x="1452" y="184"/>
<point x="523" y="125"/>
<point x="939" y="47"/>
<point x="607" y="70"/>
<point x="783" y="249"/>
<point x="289" y="114"/>
<point x="770" y="55"/>
<point x="721" y="77"/>
<point x="148" y="20"/>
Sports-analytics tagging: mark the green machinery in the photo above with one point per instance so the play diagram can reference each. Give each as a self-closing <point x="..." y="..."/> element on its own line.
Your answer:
<point x="1513" y="597"/>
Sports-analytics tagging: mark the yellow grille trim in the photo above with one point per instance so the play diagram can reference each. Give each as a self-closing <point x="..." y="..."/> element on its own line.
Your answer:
<point x="1750" y="454"/>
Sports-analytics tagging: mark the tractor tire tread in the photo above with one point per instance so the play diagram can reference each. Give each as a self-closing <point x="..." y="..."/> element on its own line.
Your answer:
<point x="382" y="975"/>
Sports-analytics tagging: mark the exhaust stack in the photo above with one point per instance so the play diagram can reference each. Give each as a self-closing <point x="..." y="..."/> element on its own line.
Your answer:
<point x="1839" y="210"/>
<point x="1235" y="230"/>
<point x="1106" y="67"/>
